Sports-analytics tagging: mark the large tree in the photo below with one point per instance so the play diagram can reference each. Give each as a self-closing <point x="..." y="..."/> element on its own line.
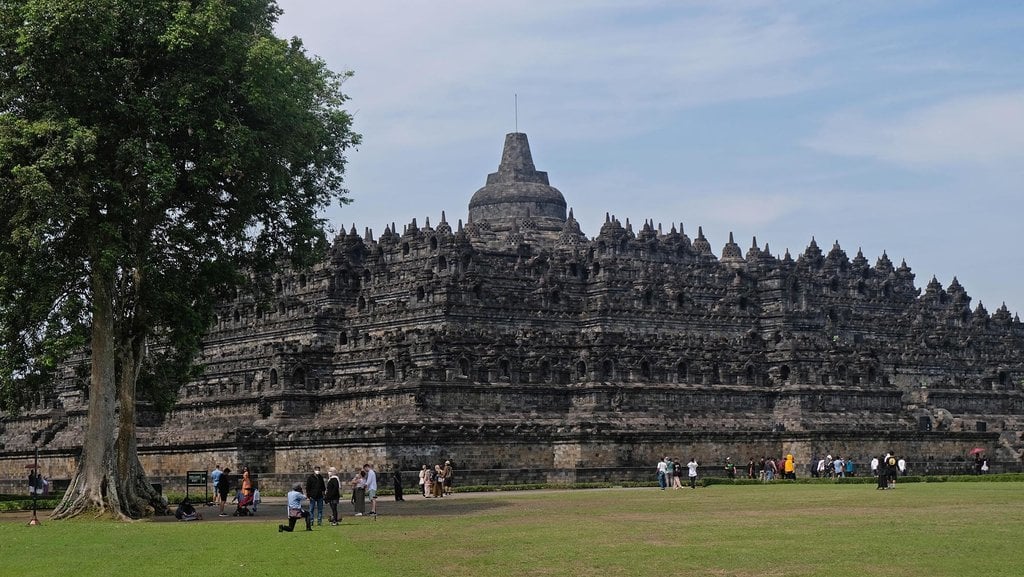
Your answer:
<point x="153" y="153"/>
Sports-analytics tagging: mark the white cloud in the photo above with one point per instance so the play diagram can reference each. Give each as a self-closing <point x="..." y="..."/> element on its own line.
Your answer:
<point x="600" y="70"/>
<point x="978" y="131"/>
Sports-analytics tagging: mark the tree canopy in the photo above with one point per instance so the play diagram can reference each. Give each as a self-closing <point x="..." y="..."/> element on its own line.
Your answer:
<point x="152" y="154"/>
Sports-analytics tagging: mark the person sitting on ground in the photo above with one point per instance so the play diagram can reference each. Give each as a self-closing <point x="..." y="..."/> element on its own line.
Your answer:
<point x="295" y="510"/>
<point x="187" y="512"/>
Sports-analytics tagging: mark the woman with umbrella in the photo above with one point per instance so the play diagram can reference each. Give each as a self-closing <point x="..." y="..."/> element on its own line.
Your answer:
<point x="978" y="459"/>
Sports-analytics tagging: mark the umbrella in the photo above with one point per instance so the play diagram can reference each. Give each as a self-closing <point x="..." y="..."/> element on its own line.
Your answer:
<point x="977" y="450"/>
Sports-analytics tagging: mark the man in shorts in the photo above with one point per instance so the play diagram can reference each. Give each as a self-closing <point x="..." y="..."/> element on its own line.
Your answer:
<point x="215" y="477"/>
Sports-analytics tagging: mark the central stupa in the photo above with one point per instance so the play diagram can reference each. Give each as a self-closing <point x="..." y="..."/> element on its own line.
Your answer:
<point x="518" y="192"/>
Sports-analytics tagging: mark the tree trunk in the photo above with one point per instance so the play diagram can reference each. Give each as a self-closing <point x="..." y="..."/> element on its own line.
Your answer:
<point x="93" y="488"/>
<point x="138" y="498"/>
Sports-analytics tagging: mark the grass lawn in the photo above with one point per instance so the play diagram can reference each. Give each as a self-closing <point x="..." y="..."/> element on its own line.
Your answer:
<point x="920" y="529"/>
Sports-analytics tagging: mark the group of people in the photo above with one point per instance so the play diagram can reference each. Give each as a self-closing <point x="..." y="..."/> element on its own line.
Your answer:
<point x="437" y="482"/>
<point x="670" y="472"/>
<point x="887" y="470"/>
<point x="247" y="494"/>
<point x="836" y="468"/>
<point x="980" y="464"/>
<point x="38" y="484"/>
<point x="319" y="491"/>
<point x="767" y="468"/>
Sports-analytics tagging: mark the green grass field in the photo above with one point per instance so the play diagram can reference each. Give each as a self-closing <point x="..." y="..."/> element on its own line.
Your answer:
<point x="926" y="530"/>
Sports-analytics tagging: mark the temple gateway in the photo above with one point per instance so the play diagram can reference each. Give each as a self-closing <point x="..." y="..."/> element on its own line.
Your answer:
<point x="525" y="351"/>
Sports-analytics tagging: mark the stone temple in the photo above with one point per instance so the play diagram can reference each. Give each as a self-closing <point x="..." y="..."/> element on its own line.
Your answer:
<point x="525" y="351"/>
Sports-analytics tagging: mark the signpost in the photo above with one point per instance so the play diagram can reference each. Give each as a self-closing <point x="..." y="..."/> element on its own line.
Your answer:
<point x="197" y="479"/>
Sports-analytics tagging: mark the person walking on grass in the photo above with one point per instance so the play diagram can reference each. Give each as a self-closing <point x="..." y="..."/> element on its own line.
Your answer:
<point x="692" y="466"/>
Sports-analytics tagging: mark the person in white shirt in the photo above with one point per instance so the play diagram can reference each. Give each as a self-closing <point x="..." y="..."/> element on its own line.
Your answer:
<point x="371" y="487"/>
<point x="837" y="465"/>
<point x="874" y="467"/>
<point x="692" y="465"/>
<point x="662" y="468"/>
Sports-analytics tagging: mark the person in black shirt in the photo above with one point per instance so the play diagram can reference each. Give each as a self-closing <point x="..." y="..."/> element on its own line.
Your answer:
<point x="332" y="494"/>
<point x="315" y="489"/>
<point x="396" y="476"/>
<point x="224" y="486"/>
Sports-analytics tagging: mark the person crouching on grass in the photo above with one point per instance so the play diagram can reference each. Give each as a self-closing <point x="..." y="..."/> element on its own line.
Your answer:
<point x="295" y="511"/>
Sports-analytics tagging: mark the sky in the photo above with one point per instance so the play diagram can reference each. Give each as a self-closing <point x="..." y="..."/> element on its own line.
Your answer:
<point x="885" y="126"/>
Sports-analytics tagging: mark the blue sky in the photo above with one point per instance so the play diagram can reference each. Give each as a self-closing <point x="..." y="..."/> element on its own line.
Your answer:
<point x="895" y="126"/>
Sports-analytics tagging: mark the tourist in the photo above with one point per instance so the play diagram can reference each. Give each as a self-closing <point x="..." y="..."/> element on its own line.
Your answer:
<point x="359" y="493"/>
<point x="977" y="463"/>
<point x="789" y="467"/>
<point x="315" y="488"/>
<point x="247" y="489"/>
<point x="438" y="481"/>
<point x="984" y="466"/>
<point x="669" y="468"/>
<point x="295" y="511"/>
<point x="662" y="467"/>
<point x="215" y="478"/>
<point x="769" y="469"/>
<point x="187" y="512"/>
<point x="677" y="475"/>
<point x="396" y="477"/>
<point x="224" y="485"/>
<point x="891" y="470"/>
<point x="371" y="487"/>
<point x="751" y="469"/>
<point x="874" y="466"/>
<point x="332" y="494"/>
<point x="882" y="477"/>
<point x="427" y="477"/>
<point x="837" y="468"/>
<point x="449" y="477"/>
<point x="692" y="465"/>
<point x="730" y="469"/>
<point x="902" y="466"/>
<point x="851" y="468"/>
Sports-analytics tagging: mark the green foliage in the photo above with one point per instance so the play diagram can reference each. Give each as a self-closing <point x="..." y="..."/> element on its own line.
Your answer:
<point x="176" y="148"/>
<point x="9" y="503"/>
